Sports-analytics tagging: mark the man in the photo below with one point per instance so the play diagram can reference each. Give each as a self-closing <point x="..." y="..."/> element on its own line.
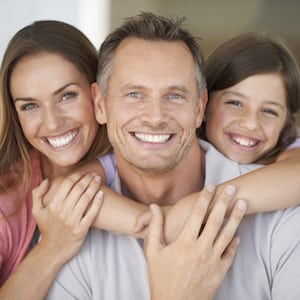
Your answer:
<point x="152" y="97"/>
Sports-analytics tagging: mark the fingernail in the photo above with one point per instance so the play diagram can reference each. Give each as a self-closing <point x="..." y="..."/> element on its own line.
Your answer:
<point x="230" y="189"/>
<point x="97" y="178"/>
<point x="100" y="195"/>
<point x="210" y="188"/>
<point x="242" y="205"/>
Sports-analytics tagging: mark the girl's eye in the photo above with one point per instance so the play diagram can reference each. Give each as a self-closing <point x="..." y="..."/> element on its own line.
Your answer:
<point x="28" y="106"/>
<point x="234" y="102"/>
<point x="69" y="95"/>
<point x="270" y="112"/>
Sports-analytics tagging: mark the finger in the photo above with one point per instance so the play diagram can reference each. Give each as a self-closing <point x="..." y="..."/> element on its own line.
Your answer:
<point x="142" y="221"/>
<point x="229" y="255"/>
<point x="229" y="229"/>
<point x="92" y="211"/>
<point x="77" y="203"/>
<point x="155" y="237"/>
<point x="193" y="225"/>
<point x="37" y="196"/>
<point x="83" y="190"/>
<point x="64" y="187"/>
<point x="216" y="217"/>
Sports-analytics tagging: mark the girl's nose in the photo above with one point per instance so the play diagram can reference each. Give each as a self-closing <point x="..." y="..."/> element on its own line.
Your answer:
<point x="249" y="120"/>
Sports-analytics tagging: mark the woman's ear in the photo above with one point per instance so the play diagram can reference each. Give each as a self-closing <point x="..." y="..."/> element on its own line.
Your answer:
<point x="99" y="105"/>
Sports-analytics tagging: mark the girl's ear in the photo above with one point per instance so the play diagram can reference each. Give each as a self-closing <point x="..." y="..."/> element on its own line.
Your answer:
<point x="201" y="108"/>
<point x="99" y="106"/>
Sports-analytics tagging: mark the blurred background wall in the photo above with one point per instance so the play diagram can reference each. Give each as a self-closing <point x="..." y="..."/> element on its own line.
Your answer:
<point x="212" y="20"/>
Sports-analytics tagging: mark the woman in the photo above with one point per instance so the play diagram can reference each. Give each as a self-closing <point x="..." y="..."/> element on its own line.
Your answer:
<point x="47" y="127"/>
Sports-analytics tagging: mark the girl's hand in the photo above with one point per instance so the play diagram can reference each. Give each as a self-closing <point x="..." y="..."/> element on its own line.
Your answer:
<point x="65" y="212"/>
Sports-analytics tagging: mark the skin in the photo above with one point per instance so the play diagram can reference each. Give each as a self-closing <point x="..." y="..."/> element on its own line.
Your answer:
<point x="151" y="123"/>
<point x="244" y="121"/>
<point x="213" y="249"/>
<point x="56" y="113"/>
<point x="155" y="126"/>
<point x="57" y="108"/>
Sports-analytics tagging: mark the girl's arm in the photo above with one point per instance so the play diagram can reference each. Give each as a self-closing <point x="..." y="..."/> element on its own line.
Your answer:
<point x="272" y="187"/>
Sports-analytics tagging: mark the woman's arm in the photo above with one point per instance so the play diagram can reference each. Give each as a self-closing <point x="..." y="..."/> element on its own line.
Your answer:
<point x="63" y="224"/>
<point x="118" y="213"/>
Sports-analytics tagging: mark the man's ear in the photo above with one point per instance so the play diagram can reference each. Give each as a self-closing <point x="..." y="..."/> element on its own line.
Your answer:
<point x="201" y="108"/>
<point x="99" y="106"/>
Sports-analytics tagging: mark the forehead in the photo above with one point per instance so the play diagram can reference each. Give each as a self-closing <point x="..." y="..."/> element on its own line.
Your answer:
<point x="157" y="60"/>
<point x="37" y="70"/>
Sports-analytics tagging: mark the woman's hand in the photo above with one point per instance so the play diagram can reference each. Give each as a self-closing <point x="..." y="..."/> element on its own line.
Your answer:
<point x="65" y="212"/>
<point x="195" y="264"/>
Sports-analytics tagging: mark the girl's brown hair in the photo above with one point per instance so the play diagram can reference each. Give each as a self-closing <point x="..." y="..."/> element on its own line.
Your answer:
<point x="249" y="54"/>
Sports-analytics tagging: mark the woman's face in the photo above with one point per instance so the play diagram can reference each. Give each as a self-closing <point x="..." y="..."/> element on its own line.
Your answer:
<point x="54" y="104"/>
<point x="244" y="121"/>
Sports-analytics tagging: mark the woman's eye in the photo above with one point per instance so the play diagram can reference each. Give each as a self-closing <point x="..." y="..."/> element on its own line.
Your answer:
<point x="28" y="106"/>
<point x="69" y="95"/>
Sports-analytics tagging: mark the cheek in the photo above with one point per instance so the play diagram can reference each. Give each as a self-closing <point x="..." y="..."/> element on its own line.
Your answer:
<point x="28" y="125"/>
<point x="272" y="131"/>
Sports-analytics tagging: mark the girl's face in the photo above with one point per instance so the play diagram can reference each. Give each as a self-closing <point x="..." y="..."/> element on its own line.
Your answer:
<point x="244" y="121"/>
<point x="54" y="104"/>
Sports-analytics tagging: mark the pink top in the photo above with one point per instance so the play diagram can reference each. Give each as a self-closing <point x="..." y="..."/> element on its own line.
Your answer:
<point x="16" y="231"/>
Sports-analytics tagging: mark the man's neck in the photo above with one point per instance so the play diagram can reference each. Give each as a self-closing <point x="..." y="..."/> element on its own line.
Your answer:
<point x="169" y="187"/>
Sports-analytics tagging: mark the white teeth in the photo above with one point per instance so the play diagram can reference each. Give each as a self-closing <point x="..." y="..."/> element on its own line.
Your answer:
<point x="61" y="141"/>
<point x="151" y="138"/>
<point x="244" y="142"/>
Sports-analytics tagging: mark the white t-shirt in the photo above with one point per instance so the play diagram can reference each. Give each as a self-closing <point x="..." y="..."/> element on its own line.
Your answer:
<point x="267" y="264"/>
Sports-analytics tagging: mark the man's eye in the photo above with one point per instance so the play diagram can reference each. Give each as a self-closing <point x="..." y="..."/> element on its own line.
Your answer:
<point x="175" y="96"/>
<point x="28" y="106"/>
<point x="134" y="95"/>
<point x="69" y="95"/>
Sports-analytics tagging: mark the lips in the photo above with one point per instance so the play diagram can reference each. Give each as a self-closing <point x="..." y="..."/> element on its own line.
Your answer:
<point x="63" y="140"/>
<point x="152" y="138"/>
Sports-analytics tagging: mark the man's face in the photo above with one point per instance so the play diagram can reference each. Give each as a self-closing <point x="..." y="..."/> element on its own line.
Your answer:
<point x="152" y="106"/>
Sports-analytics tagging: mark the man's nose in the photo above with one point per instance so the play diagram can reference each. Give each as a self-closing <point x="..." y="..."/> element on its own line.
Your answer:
<point x="155" y="111"/>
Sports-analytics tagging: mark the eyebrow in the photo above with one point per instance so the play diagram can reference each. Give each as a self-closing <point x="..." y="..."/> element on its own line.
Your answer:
<point x="56" y="92"/>
<point x="243" y="96"/>
<point x="142" y="87"/>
